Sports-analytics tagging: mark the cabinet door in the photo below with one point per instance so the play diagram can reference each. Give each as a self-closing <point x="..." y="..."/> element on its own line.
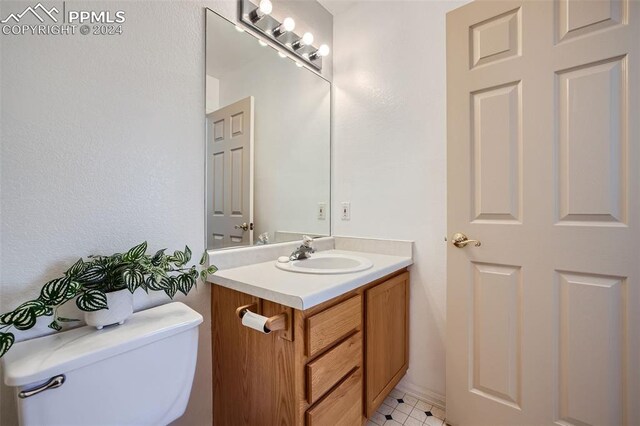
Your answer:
<point x="387" y="338"/>
<point x="253" y="373"/>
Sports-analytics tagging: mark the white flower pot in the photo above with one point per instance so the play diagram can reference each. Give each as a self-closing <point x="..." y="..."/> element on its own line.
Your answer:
<point x="120" y="305"/>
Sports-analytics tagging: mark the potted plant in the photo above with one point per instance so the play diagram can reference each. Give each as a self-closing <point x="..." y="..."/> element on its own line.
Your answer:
<point x="103" y="288"/>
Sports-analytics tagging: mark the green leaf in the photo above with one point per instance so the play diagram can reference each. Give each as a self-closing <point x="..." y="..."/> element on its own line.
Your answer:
<point x="6" y="341"/>
<point x="63" y="319"/>
<point x="153" y="284"/>
<point x="77" y="268"/>
<point x="114" y="283"/>
<point x="155" y="260"/>
<point x="23" y="319"/>
<point x="55" y="291"/>
<point x="165" y="282"/>
<point x="92" y="276"/>
<point x="178" y="258"/>
<point x="136" y="252"/>
<point x="55" y="326"/>
<point x="172" y="286"/>
<point x="7" y="319"/>
<point x="203" y="275"/>
<point x="38" y="307"/>
<point x="194" y="272"/>
<point x="74" y="288"/>
<point x="187" y="254"/>
<point x="185" y="283"/>
<point x="143" y="285"/>
<point x="92" y="300"/>
<point x="132" y="278"/>
<point x="205" y="258"/>
<point x="212" y="269"/>
<point x="24" y="316"/>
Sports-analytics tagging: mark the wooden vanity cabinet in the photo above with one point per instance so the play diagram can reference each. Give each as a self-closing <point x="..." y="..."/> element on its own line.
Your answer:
<point x="387" y="338"/>
<point x="332" y="365"/>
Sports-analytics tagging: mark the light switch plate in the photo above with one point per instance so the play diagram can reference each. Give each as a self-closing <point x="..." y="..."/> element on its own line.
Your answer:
<point x="345" y="210"/>
<point x="322" y="211"/>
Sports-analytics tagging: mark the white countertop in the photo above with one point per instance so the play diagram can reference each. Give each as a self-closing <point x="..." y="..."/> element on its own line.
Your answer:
<point x="303" y="291"/>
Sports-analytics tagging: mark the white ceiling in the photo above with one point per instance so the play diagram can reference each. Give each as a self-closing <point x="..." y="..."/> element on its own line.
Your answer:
<point x="336" y="7"/>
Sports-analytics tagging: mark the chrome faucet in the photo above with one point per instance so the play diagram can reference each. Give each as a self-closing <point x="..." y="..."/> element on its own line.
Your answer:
<point x="304" y="250"/>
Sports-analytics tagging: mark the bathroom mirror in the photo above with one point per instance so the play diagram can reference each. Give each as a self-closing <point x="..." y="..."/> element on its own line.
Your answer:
<point x="268" y="142"/>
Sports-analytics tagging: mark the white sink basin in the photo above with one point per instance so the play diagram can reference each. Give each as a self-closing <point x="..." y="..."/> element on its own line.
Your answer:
<point x="327" y="263"/>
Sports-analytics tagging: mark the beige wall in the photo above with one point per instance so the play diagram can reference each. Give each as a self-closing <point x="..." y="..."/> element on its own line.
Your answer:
<point x="389" y="154"/>
<point x="102" y="145"/>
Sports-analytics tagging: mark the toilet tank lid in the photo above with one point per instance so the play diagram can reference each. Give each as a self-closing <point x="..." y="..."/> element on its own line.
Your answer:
<point x="42" y="358"/>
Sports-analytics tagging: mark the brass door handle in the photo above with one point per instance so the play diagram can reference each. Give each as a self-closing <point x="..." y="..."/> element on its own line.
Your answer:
<point x="460" y="240"/>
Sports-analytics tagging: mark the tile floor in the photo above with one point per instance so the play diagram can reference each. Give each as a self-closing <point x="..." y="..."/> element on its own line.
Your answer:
<point x="402" y="409"/>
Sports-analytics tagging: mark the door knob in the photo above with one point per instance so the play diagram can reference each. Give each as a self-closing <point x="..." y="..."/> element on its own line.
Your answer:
<point x="460" y="240"/>
<point x="244" y="227"/>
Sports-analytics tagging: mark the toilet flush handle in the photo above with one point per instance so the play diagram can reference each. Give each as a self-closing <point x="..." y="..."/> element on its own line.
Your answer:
<point x="54" y="382"/>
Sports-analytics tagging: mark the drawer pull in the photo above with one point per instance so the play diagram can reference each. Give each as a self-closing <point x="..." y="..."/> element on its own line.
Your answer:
<point x="261" y="323"/>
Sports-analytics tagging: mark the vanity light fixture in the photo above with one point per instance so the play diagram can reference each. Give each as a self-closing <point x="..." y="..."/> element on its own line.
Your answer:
<point x="256" y="16"/>
<point x="264" y="8"/>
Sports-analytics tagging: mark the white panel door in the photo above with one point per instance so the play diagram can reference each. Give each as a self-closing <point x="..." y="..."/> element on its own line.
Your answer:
<point x="543" y="318"/>
<point x="230" y="175"/>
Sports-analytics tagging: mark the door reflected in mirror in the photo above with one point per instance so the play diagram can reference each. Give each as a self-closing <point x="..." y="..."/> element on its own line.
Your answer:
<point x="268" y="142"/>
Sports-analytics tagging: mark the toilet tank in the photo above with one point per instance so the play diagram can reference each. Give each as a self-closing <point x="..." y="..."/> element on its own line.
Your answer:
<point x="138" y="373"/>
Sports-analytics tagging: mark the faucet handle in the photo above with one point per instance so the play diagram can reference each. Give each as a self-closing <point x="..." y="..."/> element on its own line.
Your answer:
<point x="307" y="241"/>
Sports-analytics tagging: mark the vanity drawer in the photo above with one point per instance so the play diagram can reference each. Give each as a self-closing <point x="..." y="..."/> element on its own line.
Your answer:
<point x="327" y="370"/>
<point x="342" y="407"/>
<point x="333" y="324"/>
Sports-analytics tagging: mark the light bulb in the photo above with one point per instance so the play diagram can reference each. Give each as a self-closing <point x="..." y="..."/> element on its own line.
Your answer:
<point x="262" y="43"/>
<point x="240" y="30"/>
<point x="323" y="50"/>
<point x="305" y="40"/>
<point x="282" y="55"/>
<point x="289" y="24"/>
<point x="265" y="7"/>
<point x="298" y="64"/>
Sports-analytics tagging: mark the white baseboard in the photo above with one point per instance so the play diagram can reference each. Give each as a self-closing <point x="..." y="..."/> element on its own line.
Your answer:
<point x="424" y="394"/>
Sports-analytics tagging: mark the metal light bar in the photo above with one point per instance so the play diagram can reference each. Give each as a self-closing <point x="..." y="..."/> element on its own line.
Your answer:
<point x="288" y="40"/>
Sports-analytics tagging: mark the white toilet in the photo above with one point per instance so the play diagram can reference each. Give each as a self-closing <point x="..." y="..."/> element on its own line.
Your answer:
<point x="138" y="373"/>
